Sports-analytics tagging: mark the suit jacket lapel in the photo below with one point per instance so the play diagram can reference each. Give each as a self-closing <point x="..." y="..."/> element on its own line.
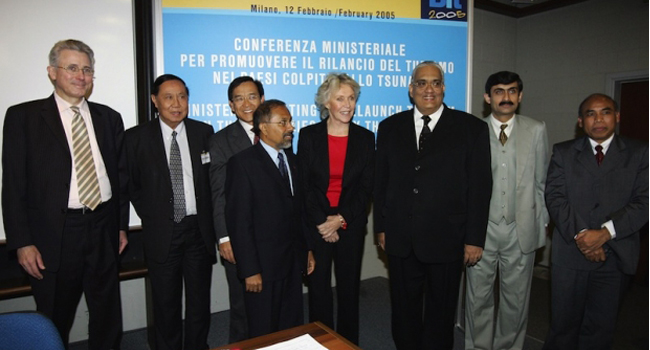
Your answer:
<point x="441" y="135"/>
<point x="408" y="141"/>
<point x="352" y="155"/>
<point x="271" y="168"/>
<point x="239" y="137"/>
<point x="98" y="126"/>
<point x="614" y="157"/>
<point x="585" y="155"/>
<point x="321" y="149"/>
<point x="158" y="152"/>
<point x="523" y="144"/>
<point x="50" y="114"/>
<point x="293" y="168"/>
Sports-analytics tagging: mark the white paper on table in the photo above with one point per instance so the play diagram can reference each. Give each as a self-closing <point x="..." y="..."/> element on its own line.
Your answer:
<point x="303" y="342"/>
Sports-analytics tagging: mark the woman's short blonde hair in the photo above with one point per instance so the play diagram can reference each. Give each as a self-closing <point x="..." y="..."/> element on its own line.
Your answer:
<point x="332" y="83"/>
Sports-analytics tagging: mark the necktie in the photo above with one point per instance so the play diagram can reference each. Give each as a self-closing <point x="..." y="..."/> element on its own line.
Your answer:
<point x="425" y="131"/>
<point x="502" y="135"/>
<point x="87" y="182"/>
<point x="176" y="173"/>
<point x="282" y="166"/>
<point x="599" y="154"/>
<point x="256" y="139"/>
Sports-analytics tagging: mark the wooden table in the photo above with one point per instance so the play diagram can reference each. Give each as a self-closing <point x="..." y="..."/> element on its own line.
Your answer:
<point x="323" y="334"/>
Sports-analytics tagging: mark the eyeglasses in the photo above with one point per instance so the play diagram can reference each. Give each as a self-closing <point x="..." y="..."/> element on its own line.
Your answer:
<point x="250" y="98"/>
<point x="74" y="69"/>
<point x="422" y="84"/>
<point x="283" y="123"/>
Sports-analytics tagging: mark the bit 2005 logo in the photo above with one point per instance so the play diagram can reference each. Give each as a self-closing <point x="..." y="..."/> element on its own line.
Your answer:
<point x="455" y="10"/>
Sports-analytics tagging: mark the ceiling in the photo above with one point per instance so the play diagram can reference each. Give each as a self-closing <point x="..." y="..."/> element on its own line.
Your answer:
<point x="522" y="8"/>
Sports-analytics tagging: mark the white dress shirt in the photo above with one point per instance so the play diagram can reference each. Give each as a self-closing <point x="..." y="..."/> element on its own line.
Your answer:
<point x="188" y="174"/>
<point x="66" y="118"/>
<point x="419" y="122"/>
<point x="496" y="125"/>
<point x="605" y="144"/>
<point x="274" y="156"/>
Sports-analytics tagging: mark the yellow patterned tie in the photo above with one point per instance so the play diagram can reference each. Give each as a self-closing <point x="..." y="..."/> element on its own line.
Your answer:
<point x="87" y="182"/>
<point x="502" y="136"/>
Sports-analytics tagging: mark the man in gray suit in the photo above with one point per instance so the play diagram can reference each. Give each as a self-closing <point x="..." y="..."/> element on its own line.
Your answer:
<point x="597" y="196"/>
<point x="244" y="96"/>
<point x="517" y="220"/>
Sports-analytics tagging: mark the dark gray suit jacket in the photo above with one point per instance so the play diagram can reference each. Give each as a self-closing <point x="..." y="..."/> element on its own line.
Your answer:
<point x="223" y="145"/>
<point x="150" y="186"/>
<point x="582" y="195"/>
<point x="37" y="166"/>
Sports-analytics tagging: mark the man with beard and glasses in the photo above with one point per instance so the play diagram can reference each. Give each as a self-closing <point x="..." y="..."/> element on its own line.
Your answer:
<point x="517" y="221"/>
<point x="263" y="217"/>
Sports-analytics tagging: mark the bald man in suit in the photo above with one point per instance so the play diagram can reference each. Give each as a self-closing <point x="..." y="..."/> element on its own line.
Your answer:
<point x="432" y="195"/>
<point x="597" y="196"/>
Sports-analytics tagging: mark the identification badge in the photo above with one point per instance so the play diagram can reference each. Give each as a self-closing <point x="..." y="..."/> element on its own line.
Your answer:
<point x="205" y="157"/>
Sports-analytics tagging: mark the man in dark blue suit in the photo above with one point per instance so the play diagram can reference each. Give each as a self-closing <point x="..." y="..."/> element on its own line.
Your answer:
<point x="433" y="184"/>
<point x="64" y="199"/>
<point x="244" y="96"/>
<point x="597" y="196"/>
<point x="264" y="220"/>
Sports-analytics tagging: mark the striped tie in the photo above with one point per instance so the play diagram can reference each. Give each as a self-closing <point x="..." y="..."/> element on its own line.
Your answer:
<point x="87" y="182"/>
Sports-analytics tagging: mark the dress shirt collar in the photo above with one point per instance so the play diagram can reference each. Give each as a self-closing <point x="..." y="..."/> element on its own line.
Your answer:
<point x="496" y="125"/>
<point x="273" y="153"/>
<point x="435" y="117"/>
<point x="167" y="130"/>
<point x="605" y="144"/>
<point x="64" y="106"/>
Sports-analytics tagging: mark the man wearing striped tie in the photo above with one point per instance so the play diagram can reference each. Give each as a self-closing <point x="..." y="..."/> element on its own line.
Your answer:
<point x="64" y="197"/>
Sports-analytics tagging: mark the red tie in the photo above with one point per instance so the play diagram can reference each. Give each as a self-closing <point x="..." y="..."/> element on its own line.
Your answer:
<point x="599" y="154"/>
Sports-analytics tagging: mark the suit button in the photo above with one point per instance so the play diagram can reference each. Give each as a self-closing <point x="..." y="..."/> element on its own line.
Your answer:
<point x="417" y="167"/>
<point x="63" y="211"/>
<point x="415" y="190"/>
